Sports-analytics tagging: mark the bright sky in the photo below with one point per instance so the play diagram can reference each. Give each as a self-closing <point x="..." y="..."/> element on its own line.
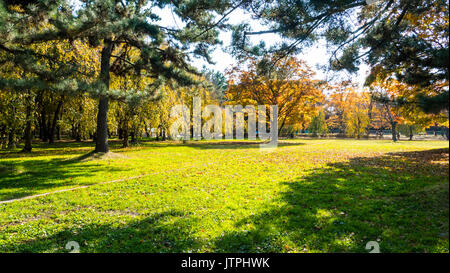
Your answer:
<point x="314" y="56"/>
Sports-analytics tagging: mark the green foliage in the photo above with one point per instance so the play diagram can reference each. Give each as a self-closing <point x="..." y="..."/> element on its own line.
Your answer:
<point x="410" y="130"/>
<point x="434" y="104"/>
<point x="407" y="39"/>
<point x="357" y="122"/>
<point x="219" y="82"/>
<point x="318" y="125"/>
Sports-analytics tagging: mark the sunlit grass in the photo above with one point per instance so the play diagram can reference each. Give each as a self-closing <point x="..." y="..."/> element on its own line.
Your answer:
<point x="306" y="196"/>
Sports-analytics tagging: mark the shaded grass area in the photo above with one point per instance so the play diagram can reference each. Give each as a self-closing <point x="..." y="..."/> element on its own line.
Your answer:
<point x="307" y="196"/>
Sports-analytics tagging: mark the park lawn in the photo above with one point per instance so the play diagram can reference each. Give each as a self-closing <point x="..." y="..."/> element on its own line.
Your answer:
<point x="229" y="196"/>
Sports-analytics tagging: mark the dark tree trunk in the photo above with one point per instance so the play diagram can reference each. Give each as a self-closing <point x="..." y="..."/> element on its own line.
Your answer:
<point x="101" y="137"/>
<point x="11" y="139"/>
<point x="51" y="136"/>
<point x="394" y="132"/>
<point x="3" y="137"/>
<point x="411" y="134"/>
<point x="58" y="132"/>
<point x="39" y="120"/>
<point x="78" y="124"/>
<point x="49" y="125"/>
<point x="101" y="143"/>
<point x="27" y="134"/>
<point x="124" y="132"/>
<point x="133" y="137"/>
<point x="43" y="129"/>
<point x="58" y="127"/>
<point x="11" y="134"/>
<point x="125" y="142"/>
<point x="78" y="134"/>
<point x="147" y="133"/>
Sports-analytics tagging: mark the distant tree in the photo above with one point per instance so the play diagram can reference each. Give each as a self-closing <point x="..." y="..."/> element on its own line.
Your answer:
<point x="410" y="130"/>
<point x="348" y="109"/>
<point x="289" y="84"/>
<point x="219" y="83"/>
<point x="318" y="125"/>
<point x="357" y="122"/>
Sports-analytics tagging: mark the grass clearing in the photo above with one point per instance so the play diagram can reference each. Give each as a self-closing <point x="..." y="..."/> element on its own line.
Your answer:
<point x="306" y="196"/>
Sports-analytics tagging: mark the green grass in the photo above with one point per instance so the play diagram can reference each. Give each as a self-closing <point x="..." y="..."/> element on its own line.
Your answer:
<point x="306" y="196"/>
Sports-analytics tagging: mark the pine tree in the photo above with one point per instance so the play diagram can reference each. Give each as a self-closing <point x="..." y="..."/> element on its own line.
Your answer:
<point x="408" y="39"/>
<point x="114" y="28"/>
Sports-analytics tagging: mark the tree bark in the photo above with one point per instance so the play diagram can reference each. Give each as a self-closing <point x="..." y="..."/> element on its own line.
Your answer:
<point x="101" y="143"/>
<point x="101" y="138"/>
<point x="43" y="129"/>
<point x="27" y="133"/>
<point x="394" y="133"/>
<point x="58" y="126"/>
<point x="3" y="137"/>
<point x="124" y="132"/>
<point x="11" y="140"/>
<point x="78" y="124"/>
<point x="51" y="137"/>
<point x="133" y="137"/>
<point x="125" y="142"/>
<point x="58" y="132"/>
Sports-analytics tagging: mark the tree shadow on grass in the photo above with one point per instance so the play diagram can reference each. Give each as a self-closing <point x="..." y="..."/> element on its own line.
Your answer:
<point x="160" y="232"/>
<point x="58" y="148"/>
<point x="45" y="149"/>
<point x="400" y="200"/>
<point x="24" y="178"/>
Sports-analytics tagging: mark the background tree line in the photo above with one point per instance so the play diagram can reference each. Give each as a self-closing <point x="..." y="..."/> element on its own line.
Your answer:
<point x="96" y="69"/>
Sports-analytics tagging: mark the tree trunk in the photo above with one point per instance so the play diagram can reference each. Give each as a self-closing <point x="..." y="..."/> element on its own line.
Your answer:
<point x="147" y="134"/>
<point x="11" y="140"/>
<point x="124" y="133"/>
<point x="125" y="138"/>
<point x="101" y="137"/>
<point x="58" y="132"/>
<point x="3" y="137"/>
<point x="78" y="124"/>
<point x="43" y="130"/>
<point x="133" y="137"/>
<point x="27" y="133"/>
<point x="411" y="134"/>
<point x="58" y="126"/>
<point x="394" y="133"/>
<point x="101" y="143"/>
<point x="51" y="138"/>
